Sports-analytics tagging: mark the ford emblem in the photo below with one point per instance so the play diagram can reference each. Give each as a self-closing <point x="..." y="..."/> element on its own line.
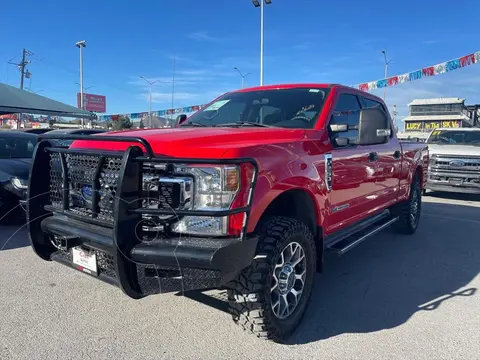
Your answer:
<point x="457" y="163"/>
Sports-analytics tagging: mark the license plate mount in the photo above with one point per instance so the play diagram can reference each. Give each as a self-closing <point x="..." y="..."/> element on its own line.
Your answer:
<point x="85" y="260"/>
<point x="455" y="181"/>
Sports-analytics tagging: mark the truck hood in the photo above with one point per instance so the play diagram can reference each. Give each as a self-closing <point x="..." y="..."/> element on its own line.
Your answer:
<point x="196" y="142"/>
<point x="458" y="150"/>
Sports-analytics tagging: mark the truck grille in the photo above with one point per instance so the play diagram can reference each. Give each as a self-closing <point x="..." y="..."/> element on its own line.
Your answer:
<point x="458" y="164"/>
<point x="83" y="170"/>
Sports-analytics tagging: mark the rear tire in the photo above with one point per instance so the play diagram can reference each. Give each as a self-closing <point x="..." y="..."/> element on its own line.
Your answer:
<point x="409" y="212"/>
<point x="270" y="297"/>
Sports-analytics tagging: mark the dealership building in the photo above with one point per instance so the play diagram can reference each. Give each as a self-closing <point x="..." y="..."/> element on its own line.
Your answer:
<point x="426" y="115"/>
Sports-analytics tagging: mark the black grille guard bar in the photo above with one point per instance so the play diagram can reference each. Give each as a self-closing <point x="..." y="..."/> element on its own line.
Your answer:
<point x="134" y="155"/>
<point x="94" y="137"/>
<point x="127" y="214"/>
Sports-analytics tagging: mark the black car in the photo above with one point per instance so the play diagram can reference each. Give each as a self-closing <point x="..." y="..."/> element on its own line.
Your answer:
<point x="73" y="132"/>
<point x="16" y="151"/>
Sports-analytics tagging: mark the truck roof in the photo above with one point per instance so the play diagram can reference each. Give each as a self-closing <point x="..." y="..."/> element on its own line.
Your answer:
<point x="313" y="86"/>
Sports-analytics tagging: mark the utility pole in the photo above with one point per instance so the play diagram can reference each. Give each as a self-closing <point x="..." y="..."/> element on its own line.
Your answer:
<point x="23" y="73"/>
<point x="384" y="52"/>
<point x="80" y="45"/>
<point x="22" y="65"/>
<point x="173" y="79"/>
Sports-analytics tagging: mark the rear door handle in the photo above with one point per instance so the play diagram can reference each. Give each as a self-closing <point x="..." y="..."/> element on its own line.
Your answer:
<point x="373" y="156"/>
<point x="397" y="154"/>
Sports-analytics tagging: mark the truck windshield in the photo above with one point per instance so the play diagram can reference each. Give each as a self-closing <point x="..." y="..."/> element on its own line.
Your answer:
<point x="286" y="108"/>
<point x="458" y="137"/>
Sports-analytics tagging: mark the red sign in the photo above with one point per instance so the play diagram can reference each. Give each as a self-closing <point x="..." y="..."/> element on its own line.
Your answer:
<point x="91" y="102"/>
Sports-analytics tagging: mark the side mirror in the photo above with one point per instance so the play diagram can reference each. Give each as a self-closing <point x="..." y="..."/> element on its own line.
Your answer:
<point x="181" y="118"/>
<point x="373" y="127"/>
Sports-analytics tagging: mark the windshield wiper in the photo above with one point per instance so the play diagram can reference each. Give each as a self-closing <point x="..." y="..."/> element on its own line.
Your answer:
<point x="243" y="123"/>
<point x="194" y="124"/>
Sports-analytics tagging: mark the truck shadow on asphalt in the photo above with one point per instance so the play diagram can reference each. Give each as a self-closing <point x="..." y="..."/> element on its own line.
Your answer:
<point x="386" y="280"/>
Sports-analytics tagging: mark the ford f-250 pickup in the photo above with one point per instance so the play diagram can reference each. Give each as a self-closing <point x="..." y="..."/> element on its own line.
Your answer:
<point x="247" y="194"/>
<point x="454" y="160"/>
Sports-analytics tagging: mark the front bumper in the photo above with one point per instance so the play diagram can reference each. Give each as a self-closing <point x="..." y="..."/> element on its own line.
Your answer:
<point x="160" y="266"/>
<point x="139" y="267"/>
<point x="466" y="183"/>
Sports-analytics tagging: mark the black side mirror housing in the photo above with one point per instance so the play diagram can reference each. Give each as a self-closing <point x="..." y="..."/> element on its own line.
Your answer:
<point x="181" y="119"/>
<point x="373" y="127"/>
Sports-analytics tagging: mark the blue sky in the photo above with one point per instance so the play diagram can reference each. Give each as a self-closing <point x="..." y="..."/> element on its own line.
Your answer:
<point x="305" y="41"/>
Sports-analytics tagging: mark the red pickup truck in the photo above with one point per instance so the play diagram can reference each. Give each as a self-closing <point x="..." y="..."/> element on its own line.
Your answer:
<point x="247" y="194"/>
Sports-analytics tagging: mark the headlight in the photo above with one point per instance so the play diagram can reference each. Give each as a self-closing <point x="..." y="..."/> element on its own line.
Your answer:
<point x="20" y="184"/>
<point x="215" y="189"/>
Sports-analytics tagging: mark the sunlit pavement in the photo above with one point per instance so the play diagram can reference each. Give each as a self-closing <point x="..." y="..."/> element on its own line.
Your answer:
<point x="393" y="297"/>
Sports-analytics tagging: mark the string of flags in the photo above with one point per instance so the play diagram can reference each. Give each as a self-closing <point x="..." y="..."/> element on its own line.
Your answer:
<point x="428" y="71"/>
<point x="159" y="113"/>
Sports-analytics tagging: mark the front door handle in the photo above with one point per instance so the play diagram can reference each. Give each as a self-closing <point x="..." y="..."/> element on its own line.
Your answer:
<point x="373" y="156"/>
<point x="397" y="154"/>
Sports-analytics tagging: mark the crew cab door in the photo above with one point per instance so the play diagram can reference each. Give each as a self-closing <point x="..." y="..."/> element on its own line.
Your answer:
<point x="353" y="177"/>
<point x="388" y="162"/>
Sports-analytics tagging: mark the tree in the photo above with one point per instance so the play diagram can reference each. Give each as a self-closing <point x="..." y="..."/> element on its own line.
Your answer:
<point x="122" y="123"/>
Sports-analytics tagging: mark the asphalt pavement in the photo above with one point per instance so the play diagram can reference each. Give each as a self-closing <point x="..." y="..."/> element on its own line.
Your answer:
<point x="393" y="297"/>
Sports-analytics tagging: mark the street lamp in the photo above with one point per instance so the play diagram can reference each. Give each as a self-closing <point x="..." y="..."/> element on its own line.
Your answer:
<point x="85" y="88"/>
<point x="260" y="3"/>
<point x="384" y="52"/>
<point x="80" y="45"/>
<point x="150" y="83"/>
<point x="243" y="76"/>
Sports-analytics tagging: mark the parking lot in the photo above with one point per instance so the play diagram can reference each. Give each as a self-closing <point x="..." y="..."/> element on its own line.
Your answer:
<point x="393" y="297"/>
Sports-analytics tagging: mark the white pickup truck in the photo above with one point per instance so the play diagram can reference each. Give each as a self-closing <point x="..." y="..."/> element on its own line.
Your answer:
<point x="454" y="160"/>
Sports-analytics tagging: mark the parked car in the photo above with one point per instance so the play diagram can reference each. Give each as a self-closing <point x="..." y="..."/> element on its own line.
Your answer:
<point x="16" y="151"/>
<point x="247" y="194"/>
<point x="454" y="160"/>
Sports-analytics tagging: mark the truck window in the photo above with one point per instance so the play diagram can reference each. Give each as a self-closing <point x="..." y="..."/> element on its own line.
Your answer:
<point x="347" y="111"/>
<point x="369" y="103"/>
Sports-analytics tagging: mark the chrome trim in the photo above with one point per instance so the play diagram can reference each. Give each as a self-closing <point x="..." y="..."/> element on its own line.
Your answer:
<point x="328" y="171"/>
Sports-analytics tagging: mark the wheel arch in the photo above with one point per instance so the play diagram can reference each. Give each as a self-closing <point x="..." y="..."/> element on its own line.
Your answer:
<point x="298" y="204"/>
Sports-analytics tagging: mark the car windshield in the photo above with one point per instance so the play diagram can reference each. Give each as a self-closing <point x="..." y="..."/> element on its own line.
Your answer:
<point x="15" y="147"/>
<point x="455" y="137"/>
<point x="286" y="108"/>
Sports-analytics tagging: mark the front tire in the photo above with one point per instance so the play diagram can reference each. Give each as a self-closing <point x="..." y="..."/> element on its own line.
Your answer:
<point x="270" y="297"/>
<point x="409" y="211"/>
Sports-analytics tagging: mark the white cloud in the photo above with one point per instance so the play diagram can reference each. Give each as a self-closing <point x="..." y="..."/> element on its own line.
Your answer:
<point x="202" y="36"/>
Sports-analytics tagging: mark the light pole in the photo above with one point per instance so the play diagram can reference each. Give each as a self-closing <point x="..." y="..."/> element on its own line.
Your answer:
<point x="384" y="52"/>
<point x="260" y="3"/>
<point x="243" y="76"/>
<point x="150" y="83"/>
<point x="80" y="45"/>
